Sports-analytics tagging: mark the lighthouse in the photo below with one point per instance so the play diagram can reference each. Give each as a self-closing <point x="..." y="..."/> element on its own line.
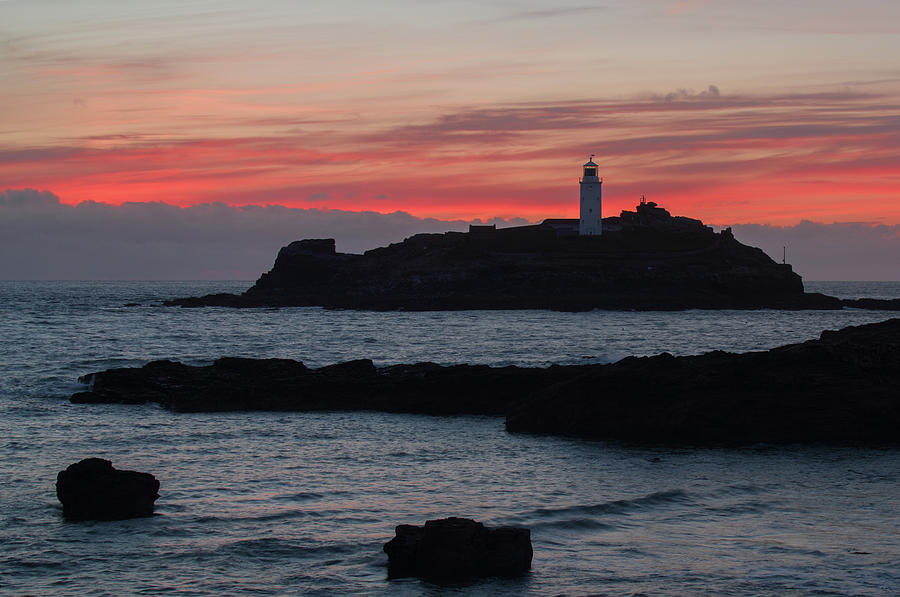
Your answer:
<point x="590" y="223"/>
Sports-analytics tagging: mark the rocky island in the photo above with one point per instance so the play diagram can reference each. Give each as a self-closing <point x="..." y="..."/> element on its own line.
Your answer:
<point x="842" y="387"/>
<point x="644" y="260"/>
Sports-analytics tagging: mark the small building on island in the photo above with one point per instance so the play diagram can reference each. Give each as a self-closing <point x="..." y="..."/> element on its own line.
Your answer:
<point x="647" y="214"/>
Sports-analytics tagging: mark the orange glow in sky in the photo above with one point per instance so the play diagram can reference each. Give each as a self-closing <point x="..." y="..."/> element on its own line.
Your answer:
<point x="459" y="110"/>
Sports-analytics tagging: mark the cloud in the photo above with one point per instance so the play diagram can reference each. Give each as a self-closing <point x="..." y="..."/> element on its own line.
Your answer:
<point x="839" y="251"/>
<point x="688" y="94"/>
<point x="544" y="14"/>
<point x="41" y="238"/>
<point x="682" y="119"/>
<point x="719" y="156"/>
<point x="28" y="201"/>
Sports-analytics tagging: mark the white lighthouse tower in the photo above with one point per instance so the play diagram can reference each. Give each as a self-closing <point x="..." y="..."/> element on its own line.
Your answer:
<point x="590" y="223"/>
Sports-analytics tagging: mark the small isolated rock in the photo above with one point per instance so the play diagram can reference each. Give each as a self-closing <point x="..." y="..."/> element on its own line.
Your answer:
<point x="458" y="548"/>
<point x="93" y="490"/>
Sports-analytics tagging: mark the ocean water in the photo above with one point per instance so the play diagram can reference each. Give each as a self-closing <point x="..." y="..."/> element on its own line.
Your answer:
<point x="301" y="503"/>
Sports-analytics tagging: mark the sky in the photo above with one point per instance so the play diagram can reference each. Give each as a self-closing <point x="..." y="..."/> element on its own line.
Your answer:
<point x="763" y="113"/>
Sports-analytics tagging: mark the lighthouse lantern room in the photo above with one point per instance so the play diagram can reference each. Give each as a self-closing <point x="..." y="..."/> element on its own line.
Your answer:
<point x="590" y="223"/>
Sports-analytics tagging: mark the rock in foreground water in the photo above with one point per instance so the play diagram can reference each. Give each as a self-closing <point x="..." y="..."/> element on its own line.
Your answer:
<point x="843" y="387"/>
<point x="93" y="490"/>
<point x="454" y="547"/>
<point x="232" y="384"/>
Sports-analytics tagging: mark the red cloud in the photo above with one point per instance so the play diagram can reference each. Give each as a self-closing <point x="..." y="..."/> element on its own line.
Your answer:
<point x="776" y="159"/>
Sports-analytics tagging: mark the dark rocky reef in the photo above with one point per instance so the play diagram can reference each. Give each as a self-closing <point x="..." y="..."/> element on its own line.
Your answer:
<point x="646" y="260"/>
<point x="458" y="548"/>
<point x="842" y="387"/>
<point x="874" y="304"/>
<point x="234" y="384"/>
<point x="93" y="490"/>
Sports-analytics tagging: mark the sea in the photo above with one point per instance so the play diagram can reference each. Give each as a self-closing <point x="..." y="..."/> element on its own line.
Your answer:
<point x="261" y="503"/>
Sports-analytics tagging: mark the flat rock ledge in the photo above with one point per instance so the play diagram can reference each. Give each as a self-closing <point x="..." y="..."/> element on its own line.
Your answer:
<point x="239" y="384"/>
<point x="458" y="548"/>
<point x="843" y="387"/>
<point x="93" y="490"/>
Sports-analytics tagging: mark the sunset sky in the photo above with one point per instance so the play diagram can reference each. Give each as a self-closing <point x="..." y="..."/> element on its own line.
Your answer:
<point x="732" y="112"/>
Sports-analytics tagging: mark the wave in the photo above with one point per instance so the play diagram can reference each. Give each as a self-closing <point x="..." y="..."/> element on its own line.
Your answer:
<point x="659" y="498"/>
<point x="587" y="516"/>
<point x="272" y="548"/>
<point x="301" y="496"/>
<point x="573" y="524"/>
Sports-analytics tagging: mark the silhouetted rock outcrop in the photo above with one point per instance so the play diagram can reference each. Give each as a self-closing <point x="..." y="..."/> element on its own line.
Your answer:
<point x="648" y="260"/>
<point x="93" y="490"/>
<point x="844" y="386"/>
<point x="875" y="304"/>
<point x="452" y="548"/>
<point x="281" y="384"/>
<point x="650" y="215"/>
